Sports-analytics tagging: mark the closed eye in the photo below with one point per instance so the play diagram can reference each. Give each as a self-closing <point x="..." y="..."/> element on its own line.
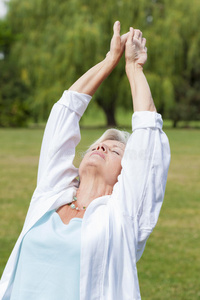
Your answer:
<point x="115" y="152"/>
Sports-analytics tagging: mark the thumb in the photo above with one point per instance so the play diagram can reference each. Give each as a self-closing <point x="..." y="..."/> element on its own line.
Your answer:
<point x="116" y="28"/>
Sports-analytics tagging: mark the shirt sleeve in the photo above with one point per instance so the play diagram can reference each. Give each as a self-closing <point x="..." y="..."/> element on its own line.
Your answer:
<point x="62" y="134"/>
<point x="139" y="192"/>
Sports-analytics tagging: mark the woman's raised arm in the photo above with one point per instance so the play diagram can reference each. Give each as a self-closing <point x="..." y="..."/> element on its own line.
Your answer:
<point x="140" y="189"/>
<point x="91" y="80"/>
<point x="136" y="56"/>
<point x="59" y="142"/>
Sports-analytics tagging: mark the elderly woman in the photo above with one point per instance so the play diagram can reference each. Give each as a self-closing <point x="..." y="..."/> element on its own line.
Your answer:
<point x="82" y="239"/>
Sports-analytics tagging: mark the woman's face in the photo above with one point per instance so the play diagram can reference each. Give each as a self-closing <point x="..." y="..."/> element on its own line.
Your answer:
<point x="103" y="160"/>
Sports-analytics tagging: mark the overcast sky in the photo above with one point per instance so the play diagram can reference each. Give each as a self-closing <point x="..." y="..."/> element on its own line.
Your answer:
<point x="2" y="9"/>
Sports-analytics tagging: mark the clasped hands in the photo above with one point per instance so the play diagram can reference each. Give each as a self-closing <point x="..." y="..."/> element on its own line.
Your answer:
<point x="131" y="42"/>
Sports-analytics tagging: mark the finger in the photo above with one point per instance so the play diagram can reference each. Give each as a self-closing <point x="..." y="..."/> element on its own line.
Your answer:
<point x="130" y="35"/>
<point x="124" y="38"/>
<point x="116" y="28"/>
<point x="137" y="34"/>
<point x="143" y="42"/>
<point x="140" y="37"/>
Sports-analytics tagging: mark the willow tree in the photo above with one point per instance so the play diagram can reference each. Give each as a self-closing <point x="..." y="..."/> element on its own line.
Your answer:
<point x="14" y="110"/>
<point x="59" y="40"/>
<point x="174" y="56"/>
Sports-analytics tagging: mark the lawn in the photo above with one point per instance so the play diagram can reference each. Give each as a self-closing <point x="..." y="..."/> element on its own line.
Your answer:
<point x="170" y="265"/>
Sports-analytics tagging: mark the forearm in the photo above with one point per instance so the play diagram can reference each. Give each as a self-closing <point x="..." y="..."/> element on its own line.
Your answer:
<point x="141" y="93"/>
<point x="91" y="80"/>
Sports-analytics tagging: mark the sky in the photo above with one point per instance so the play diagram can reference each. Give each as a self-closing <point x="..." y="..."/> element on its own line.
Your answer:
<point x="2" y="9"/>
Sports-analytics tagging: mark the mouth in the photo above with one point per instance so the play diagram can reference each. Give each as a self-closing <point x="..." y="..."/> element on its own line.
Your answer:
<point x="99" y="154"/>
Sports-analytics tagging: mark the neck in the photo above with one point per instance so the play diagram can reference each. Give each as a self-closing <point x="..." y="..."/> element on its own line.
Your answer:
<point x="91" y="188"/>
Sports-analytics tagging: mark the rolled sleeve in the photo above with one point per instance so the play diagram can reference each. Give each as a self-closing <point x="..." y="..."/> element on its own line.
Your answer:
<point x="75" y="101"/>
<point x="146" y="119"/>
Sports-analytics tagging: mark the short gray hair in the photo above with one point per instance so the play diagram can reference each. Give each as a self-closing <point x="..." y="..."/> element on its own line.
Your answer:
<point x="113" y="134"/>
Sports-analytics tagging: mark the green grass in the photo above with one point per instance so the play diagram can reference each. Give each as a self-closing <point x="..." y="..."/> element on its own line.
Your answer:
<point x="170" y="265"/>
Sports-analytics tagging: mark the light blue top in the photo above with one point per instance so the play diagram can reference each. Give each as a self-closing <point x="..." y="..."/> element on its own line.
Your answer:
<point x="49" y="262"/>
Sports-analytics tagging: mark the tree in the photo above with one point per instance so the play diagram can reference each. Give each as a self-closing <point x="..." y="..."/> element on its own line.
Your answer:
<point x="13" y="105"/>
<point x="62" y="39"/>
<point x="175" y="58"/>
<point x="59" y="40"/>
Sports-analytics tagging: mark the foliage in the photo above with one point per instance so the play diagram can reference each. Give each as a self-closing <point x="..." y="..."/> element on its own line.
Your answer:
<point x="14" y="108"/>
<point x="175" y="58"/>
<point x="55" y="42"/>
<point x="13" y="105"/>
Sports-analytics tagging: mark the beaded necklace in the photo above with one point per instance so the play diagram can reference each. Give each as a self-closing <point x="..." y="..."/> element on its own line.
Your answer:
<point x="73" y="206"/>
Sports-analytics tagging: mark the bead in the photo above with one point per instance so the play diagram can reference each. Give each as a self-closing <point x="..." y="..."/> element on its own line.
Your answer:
<point x="73" y="206"/>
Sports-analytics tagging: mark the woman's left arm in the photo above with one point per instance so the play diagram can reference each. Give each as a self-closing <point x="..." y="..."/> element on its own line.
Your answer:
<point x="141" y="184"/>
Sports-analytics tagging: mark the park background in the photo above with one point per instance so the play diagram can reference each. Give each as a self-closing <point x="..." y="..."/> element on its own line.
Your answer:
<point x="44" y="47"/>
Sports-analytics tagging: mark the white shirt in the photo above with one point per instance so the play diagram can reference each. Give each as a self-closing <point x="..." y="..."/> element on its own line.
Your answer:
<point x="115" y="228"/>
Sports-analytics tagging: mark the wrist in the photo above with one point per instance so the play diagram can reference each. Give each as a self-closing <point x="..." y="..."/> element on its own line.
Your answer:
<point x="133" y="70"/>
<point x="111" y="60"/>
<point x="131" y="67"/>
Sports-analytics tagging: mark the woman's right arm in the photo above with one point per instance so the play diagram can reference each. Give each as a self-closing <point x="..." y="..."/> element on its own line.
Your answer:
<point x="62" y="133"/>
<point x="93" y="78"/>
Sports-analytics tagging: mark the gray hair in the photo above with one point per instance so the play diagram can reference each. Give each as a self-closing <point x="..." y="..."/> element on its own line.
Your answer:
<point x="113" y="134"/>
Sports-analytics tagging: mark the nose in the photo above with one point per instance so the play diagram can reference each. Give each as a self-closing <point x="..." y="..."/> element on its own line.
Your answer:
<point x="101" y="147"/>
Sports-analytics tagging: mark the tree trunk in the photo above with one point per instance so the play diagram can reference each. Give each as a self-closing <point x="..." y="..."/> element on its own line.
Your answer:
<point x="109" y="110"/>
<point x="110" y="116"/>
<point x="175" y="123"/>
